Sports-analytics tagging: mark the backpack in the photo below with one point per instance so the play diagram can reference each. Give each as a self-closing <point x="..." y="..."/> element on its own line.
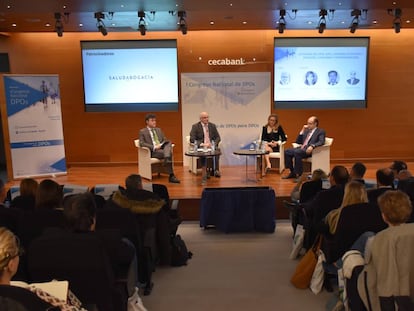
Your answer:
<point x="179" y="252"/>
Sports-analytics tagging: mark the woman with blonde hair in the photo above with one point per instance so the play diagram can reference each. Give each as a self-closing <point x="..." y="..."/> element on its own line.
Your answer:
<point x="10" y="253"/>
<point x="272" y="136"/>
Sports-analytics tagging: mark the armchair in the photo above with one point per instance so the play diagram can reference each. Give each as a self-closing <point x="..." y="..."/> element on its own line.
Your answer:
<point x="321" y="157"/>
<point x="147" y="165"/>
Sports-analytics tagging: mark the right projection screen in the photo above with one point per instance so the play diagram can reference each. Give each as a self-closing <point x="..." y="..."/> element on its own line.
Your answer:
<point x="321" y="73"/>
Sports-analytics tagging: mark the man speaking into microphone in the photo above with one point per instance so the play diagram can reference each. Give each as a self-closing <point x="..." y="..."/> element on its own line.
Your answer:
<point x="309" y="138"/>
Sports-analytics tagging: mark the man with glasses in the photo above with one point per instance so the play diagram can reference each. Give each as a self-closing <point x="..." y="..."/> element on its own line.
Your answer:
<point x="309" y="138"/>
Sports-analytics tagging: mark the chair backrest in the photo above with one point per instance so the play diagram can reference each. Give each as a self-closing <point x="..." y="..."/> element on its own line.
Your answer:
<point x="328" y="141"/>
<point x="80" y="258"/>
<point x="69" y="189"/>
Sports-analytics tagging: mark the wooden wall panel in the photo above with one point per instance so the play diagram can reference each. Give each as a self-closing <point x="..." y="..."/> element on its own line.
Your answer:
<point x="382" y="131"/>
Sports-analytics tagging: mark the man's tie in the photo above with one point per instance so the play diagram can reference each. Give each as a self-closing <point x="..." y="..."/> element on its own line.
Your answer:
<point x="306" y="140"/>
<point x="154" y="134"/>
<point x="206" y="134"/>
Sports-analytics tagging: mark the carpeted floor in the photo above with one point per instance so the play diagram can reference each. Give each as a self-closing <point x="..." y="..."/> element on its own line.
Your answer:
<point x="243" y="271"/>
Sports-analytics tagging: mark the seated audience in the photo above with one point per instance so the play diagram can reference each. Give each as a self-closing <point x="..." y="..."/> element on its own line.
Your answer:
<point x="151" y="212"/>
<point x="344" y="230"/>
<point x="387" y="278"/>
<point x="49" y="195"/>
<point x="357" y="172"/>
<point x="323" y="202"/>
<point x="80" y="215"/>
<point x="10" y="253"/>
<point x="27" y="198"/>
<point x="307" y="186"/>
<point x="385" y="181"/>
<point x="397" y="166"/>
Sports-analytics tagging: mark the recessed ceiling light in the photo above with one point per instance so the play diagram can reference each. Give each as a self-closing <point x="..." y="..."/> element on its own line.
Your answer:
<point x="9" y="6"/>
<point x="80" y="25"/>
<point x="47" y="25"/>
<point x="339" y="3"/>
<point x="231" y="4"/>
<point x="211" y="22"/>
<point x="408" y="21"/>
<point x="14" y="25"/>
<point x="200" y="58"/>
<point x="375" y="21"/>
<point x="113" y="24"/>
<point x="244" y="22"/>
<point x="310" y="22"/>
<point x="64" y="7"/>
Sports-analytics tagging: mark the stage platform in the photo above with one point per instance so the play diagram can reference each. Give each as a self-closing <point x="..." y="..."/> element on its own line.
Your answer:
<point x="189" y="191"/>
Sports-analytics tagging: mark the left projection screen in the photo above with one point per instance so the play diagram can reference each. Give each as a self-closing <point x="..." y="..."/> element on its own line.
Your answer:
<point x="139" y="75"/>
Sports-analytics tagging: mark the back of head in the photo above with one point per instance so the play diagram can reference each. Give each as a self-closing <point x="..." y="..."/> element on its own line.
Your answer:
<point x="358" y="170"/>
<point x="319" y="174"/>
<point x="80" y="212"/>
<point x="9" y="248"/>
<point x="133" y="182"/>
<point x="397" y="166"/>
<point x="49" y="195"/>
<point x="385" y="177"/>
<point x="28" y="187"/>
<point x="355" y="193"/>
<point x="340" y="175"/>
<point x="395" y="206"/>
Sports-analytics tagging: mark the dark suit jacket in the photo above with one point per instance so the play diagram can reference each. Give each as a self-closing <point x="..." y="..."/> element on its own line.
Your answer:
<point x="197" y="133"/>
<point x="373" y="194"/>
<point x="145" y="139"/>
<point x="317" y="139"/>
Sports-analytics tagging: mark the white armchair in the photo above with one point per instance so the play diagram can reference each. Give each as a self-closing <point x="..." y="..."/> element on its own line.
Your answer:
<point x="277" y="159"/>
<point x="321" y="157"/>
<point x="193" y="162"/>
<point x="147" y="165"/>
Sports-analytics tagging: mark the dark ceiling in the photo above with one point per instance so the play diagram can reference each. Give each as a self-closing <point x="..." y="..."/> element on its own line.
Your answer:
<point x="161" y="15"/>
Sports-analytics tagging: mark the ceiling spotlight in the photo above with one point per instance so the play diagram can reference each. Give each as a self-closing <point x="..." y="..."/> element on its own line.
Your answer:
<point x="322" y="21"/>
<point x="282" y="23"/>
<point x="396" y="24"/>
<point x="100" y="24"/>
<point x="141" y="24"/>
<point x="355" y="21"/>
<point x="58" y="24"/>
<point x="182" y="23"/>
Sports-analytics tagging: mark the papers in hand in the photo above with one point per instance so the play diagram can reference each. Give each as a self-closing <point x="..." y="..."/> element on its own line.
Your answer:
<point x="58" y="289"/>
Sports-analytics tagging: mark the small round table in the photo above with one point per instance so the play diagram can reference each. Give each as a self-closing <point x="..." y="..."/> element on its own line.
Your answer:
<point x="200" y="153"/>
<point x="247" y="153"/>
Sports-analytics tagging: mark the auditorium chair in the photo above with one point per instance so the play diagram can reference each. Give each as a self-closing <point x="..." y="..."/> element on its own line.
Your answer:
<point x="147" y="165"/>
<point x="321" y="157"/>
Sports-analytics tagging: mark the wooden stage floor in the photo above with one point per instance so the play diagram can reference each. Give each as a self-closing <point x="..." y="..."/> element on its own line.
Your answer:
<point x="190" y="189"/>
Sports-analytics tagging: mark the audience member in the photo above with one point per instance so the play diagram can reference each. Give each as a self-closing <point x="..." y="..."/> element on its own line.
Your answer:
<point x="153" y="138"/>
<point x="272" y="136"/>
<point x="27" y="198"/>
<point x="385" y="182"/>
<point x="357" y="172"/>
<point x="307" y="186"/>
<point x="204" y="134"/>
<point x="388" y="272"/>
<point x="151" y="211"/>
<point x="397" y="166"/>
<point x="10" y="253"/>
<point x="323" y="202"/>
<point x="310" y="137"/>
<point x="49" y="195"/>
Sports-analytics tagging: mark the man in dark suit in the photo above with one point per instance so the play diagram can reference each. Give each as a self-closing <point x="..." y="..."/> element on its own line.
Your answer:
<point x="385" y="182"/>
<point x="310" y="137"/>
<point x="353" y="79"/>
<point x="153" y="138"/>
<point x="206" y="134"/>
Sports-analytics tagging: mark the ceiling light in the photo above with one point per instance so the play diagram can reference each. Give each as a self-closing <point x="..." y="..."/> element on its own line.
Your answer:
<point x="58" y="24"/>
<point x="100" y="24"/>
<point x="182" y="22"/>
<point x="282" y="23"/>
<point x="141" y="24"/>
<point x="322" y="21"/>
<point x="355" y="21"/>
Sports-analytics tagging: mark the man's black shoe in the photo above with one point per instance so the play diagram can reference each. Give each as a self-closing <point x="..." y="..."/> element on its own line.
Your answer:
<point x="291" y="175"/>
<point x="174" y="179"/>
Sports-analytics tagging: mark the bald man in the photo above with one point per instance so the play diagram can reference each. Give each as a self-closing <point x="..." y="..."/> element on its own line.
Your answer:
<point x="310" y="137"/>
<point x="205" y="132"/>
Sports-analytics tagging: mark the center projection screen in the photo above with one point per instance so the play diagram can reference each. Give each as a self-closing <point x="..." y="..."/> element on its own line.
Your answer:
<point x="130" y="75"/>
<point x="320" y="73"/>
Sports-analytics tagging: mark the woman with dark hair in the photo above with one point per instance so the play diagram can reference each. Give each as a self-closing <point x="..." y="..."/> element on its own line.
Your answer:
<point x="27" y="198"/>
<point x="49" y="195"/>
<point x="272" y="136"/>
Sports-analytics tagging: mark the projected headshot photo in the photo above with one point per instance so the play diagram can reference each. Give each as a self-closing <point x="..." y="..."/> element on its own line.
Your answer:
<point x="352" y="78"/>
<point x="311" y="78"/>
<point x="333" y="77"/>
<point x="284" y="78"/>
